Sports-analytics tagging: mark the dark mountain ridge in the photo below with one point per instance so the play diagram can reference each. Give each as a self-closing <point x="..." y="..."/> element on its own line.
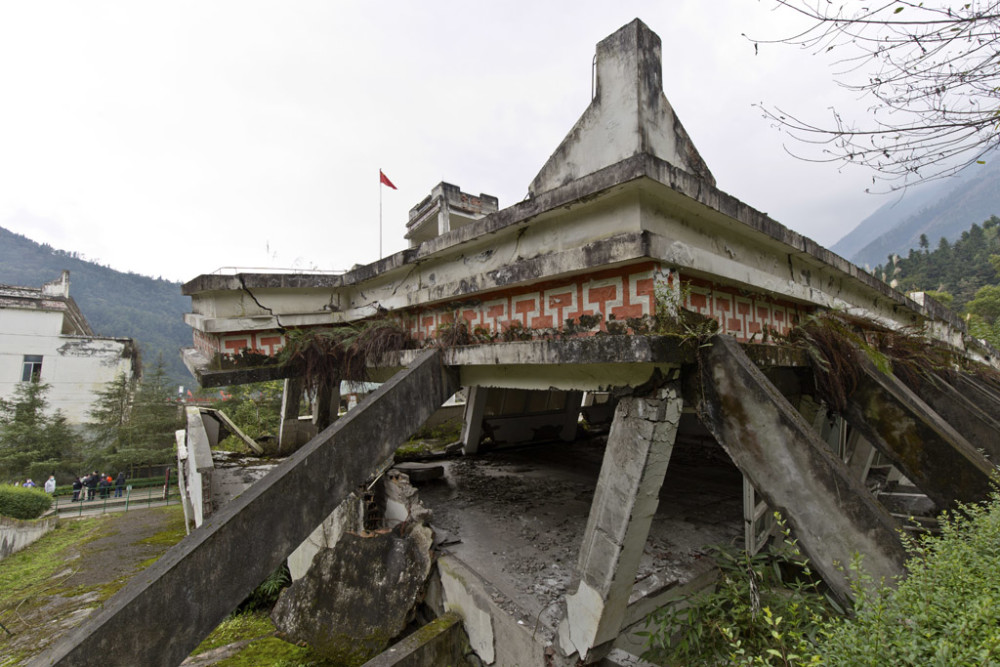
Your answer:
<point x="942" y="209"/>
<point x="149" y="310"/>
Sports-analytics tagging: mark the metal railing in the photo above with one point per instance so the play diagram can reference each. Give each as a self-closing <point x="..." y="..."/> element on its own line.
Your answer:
<point x="115" y="499"/>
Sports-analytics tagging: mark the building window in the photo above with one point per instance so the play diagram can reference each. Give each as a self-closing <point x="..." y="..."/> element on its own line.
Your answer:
<point x="32" y="370"/>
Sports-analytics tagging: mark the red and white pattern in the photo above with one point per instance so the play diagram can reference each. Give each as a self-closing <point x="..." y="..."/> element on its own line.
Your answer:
<point x="619" y="294"/>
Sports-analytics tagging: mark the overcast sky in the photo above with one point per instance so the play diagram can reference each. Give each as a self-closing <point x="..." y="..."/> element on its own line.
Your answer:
<point x="175" y="138"/>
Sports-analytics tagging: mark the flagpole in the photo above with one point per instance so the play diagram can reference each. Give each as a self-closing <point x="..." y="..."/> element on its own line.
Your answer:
<point x="380" y="213"/>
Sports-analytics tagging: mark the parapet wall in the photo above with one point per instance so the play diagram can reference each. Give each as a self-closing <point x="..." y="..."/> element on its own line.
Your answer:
<point x="16" y="534"/>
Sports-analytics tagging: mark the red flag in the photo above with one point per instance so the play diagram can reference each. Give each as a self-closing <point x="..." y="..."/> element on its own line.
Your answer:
<point x="384" y="180"/>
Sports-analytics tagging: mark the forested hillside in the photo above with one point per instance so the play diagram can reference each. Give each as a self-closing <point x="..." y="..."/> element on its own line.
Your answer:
<point x="150" y="310"/>
<point x="934" y="210"/>
<point x="964" y="275"/>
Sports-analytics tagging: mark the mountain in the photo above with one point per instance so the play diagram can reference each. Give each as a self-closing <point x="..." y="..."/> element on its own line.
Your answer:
<point x="150" y="310"/>
<point x="939" y="209"/>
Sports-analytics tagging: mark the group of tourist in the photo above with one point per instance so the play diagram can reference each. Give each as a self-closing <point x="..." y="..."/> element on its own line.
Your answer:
<point x="50" y="484"/>
<point x="94" y="484"/>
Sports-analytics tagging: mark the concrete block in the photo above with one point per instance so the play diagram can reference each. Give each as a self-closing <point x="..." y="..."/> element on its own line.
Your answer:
<point x="442" y="642"/>
<point x="498" y="632"/>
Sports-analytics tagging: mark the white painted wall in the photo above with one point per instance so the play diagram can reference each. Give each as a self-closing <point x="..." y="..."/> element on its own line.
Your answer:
<point x="75" y="367"/>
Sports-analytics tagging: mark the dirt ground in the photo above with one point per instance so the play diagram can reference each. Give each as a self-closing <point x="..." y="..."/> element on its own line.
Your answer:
<point x="93" y="570"/>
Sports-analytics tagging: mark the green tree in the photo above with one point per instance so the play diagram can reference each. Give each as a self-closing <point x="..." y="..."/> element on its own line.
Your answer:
<point x="111" y="420"/>
<point x="29" y="436"/>
<point x="984" y="310"/>
<point x="255" y="408"/>
<point x="134" y="425"/>
<point x="986" y="304"/>
<point x="155" y="418"/>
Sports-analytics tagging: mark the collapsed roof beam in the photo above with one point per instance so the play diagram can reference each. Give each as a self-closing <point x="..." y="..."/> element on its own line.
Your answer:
<point x="831" y="513"/>
<point x="925" y="447"/>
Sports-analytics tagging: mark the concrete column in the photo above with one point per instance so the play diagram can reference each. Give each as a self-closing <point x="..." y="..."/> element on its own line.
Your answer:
<point x="291" y="398"/>
<point x="327" y="407"/>
<point x="860" y="455"/>
<point x="831" y="513"/>
<point x="444" y="218"/>
<point x="571" y="415"/>
<point x="635" y="462"/>
<point x="475" y="408"/>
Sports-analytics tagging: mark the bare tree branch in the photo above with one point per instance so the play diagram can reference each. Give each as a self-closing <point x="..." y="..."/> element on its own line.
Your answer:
<point x="932" y="74"/>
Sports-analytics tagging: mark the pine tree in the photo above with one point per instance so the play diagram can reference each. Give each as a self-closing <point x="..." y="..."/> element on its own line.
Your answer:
<point x="111" y="422"/>
<point x="155" y="418"/>
<point x="30" y="436"/>
<point x="134" y="425"/>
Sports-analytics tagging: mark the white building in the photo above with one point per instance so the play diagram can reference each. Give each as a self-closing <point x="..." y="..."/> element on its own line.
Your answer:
<point x="44" y="336"/>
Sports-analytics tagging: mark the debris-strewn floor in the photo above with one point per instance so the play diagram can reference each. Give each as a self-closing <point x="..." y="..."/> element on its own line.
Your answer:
<point x="517" y="517"/>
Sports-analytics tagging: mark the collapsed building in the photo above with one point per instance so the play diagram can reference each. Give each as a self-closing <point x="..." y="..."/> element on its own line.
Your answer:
<point x="629" y="287"/>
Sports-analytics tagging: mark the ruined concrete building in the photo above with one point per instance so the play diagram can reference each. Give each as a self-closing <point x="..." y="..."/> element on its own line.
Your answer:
<point x="45" y="337"/>
<point x="626" y="285"/>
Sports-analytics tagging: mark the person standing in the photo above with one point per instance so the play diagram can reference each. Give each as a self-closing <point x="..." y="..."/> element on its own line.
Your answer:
<point x="50" y="485"/>
<point x="77" y="485"/>
<point x="119" y="484"/>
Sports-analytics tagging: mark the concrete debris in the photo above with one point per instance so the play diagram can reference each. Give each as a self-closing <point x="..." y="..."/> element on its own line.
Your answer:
<point x="358" y="596"/>
<point x="420" y="472"/>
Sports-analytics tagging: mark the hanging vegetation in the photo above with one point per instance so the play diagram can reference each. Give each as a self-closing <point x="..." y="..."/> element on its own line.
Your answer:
<point x="325" y="356"/>
<point x="836" y="345"/>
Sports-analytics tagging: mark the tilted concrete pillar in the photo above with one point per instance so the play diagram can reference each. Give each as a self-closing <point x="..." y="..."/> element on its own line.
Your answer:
<point x="327" y="406"/>
<point x="472" y="428"/>
<point x="978" y="392"/>
<point x="981" y="429"/>
<point x="860" y="456"/>
<point x="291" y="398"/>
<point x="831" y="513"/>
<point x="571" y="415"/>
<point x="932" y="454"/>
<point x="635" y="462"/>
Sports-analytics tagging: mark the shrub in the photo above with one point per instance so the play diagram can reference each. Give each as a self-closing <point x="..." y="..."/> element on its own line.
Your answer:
<point x="765" y="609"/>
<point x="21" y="503"/>
<point x="945" y="612"/>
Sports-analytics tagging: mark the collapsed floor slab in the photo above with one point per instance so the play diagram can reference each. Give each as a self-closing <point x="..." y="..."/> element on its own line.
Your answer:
<point x="515" y="519"/>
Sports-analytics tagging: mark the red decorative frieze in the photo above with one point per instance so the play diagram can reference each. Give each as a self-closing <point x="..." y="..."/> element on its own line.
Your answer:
<point x="613" y="295"/>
